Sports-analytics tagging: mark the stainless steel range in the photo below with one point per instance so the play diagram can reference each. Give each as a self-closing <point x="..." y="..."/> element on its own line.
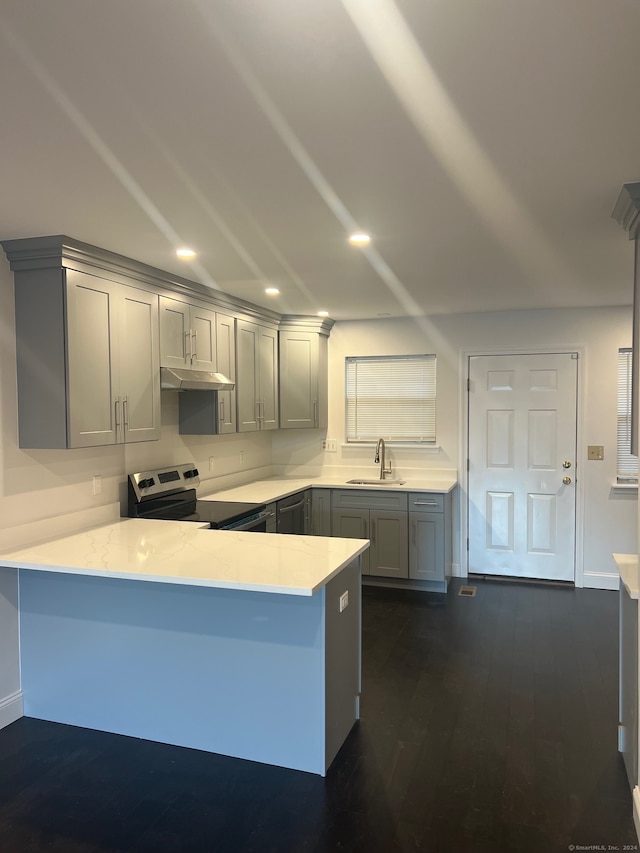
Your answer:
<point x="170" y="494"/>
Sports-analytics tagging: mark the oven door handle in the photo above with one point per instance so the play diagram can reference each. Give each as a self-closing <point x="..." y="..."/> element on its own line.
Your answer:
<point x="255" y="521"/>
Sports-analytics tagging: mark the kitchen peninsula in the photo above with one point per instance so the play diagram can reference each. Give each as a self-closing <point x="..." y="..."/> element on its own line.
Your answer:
<point x="245" y="644"/>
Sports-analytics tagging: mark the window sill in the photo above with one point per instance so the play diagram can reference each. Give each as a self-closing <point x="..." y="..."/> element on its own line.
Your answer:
<point x="624" y="488"/>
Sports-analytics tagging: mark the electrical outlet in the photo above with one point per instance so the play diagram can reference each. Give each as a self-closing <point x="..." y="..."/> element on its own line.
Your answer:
<point x="329" y="444"/>
<point x="211" y="463"/>
<point x="242" y="455"/>
<point x="97" y="485"/>
<point x="344" y="600"/>
<point x="595" y="451"/>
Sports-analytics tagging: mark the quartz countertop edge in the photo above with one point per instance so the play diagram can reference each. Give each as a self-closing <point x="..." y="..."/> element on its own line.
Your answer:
<point x="187" y="553"/>
<point x="627" y="565"/>
<point x="276" y="488"/>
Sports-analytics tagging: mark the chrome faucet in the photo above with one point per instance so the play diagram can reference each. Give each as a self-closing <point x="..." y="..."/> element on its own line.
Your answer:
<point x="379" y="458"/>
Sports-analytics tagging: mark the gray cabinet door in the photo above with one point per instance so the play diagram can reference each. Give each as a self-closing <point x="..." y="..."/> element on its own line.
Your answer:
<point x="187" y="335"/>
<point x="427" y="546"/>
<point x="247" y="375"/>
<point x="388" y="552"/>
<point x="352" y="524"/>
<point x="257" y="376"/>
<point x="202" y="339"/>
<point x="268" y="377"/>
<point x="94" y="405"/>
<point x="299" y="399"/>
<point x="321" y="512"/>
<point x="113" y="362"/>
<point x="226" y="356"/>
<point x="138" y="364"/>
<point x="175" y="340"/>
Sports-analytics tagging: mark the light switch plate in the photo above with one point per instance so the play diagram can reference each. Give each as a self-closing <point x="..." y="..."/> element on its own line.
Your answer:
<point x="344" y="600"/>
<point x="596" y="451"/>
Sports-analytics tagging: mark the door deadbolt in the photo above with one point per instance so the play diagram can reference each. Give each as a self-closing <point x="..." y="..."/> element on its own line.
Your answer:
<point x="566" y="480"/>
<point x="566" y="464"/>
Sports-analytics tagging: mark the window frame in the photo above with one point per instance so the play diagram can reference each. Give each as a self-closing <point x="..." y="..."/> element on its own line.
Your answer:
<point x="626" y="461"/>
<point x="422" y="407"/>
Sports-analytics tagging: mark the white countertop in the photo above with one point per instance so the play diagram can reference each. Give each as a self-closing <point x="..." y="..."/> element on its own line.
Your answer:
<point x="265" y="491"/>
<point x="627" y="565"/>
<point x="188" y="553"/>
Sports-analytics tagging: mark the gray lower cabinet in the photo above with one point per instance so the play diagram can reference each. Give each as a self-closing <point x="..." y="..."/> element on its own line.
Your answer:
<point x="320" y="512"/>
<point x="628" y="693"/>
<point x="88" y="360"/>
<point x="429" y="536"/>
<point x="379" y="516"/>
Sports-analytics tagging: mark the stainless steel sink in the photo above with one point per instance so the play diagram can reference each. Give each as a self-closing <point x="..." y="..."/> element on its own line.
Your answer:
<point x="390" y="482"/>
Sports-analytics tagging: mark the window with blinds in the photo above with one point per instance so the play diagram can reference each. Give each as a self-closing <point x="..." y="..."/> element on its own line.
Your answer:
<point x="391" y="397"/>
<point x="627" y="464"/>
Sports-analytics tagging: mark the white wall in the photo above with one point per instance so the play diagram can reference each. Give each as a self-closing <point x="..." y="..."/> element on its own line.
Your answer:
<point x="609" y="517"/>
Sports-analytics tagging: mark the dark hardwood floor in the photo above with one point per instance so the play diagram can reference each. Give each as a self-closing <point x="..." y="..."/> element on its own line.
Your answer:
<point x="488" y="724"/>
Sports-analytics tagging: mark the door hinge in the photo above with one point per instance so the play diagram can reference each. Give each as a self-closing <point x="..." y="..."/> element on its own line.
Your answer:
<point x="467" y="464"/>
<point x="467" y="543"/>
<point x="468" y="385"/>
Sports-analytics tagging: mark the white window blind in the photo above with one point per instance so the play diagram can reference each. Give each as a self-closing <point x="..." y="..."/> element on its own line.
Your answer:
<point x="627" y="464"/>
<point x="391" y="397"/>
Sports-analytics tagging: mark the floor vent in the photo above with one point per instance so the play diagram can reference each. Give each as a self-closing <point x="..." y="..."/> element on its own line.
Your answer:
<point x="467" y="591"/>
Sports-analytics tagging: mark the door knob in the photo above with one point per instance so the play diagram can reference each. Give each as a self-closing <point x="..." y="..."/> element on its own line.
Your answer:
<point x="566" y="480"/>
<point x="566" y="464"/>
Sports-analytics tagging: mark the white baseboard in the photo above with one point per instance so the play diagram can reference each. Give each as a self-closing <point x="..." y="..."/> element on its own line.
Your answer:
<point x="636" y="810"/>
<point x="601" y="580"/>
<point x="11" y="709"/>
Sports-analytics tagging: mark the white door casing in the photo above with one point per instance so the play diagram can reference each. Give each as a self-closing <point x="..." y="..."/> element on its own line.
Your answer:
<point x="522" y="430"/>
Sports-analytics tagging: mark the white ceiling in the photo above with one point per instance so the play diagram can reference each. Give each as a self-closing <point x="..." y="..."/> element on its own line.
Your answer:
<point x="481" y="143"/>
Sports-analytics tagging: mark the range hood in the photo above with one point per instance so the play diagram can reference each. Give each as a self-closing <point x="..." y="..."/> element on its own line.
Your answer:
<point x="181" y="379"/>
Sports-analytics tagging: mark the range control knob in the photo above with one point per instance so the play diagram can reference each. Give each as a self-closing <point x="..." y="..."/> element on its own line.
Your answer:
<point x="145" y="484"/>
<point x="193" y="472"/>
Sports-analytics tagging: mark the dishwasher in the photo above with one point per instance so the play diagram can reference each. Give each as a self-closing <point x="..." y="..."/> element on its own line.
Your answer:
<point x="293" y="513"/>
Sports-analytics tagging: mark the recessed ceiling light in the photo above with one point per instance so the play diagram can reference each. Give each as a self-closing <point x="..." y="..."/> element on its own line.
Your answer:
<point x="272" y="291"/>
<point x="323" y="313"/>
<point x="185" y="252"/>
<point x="359" y="239"/>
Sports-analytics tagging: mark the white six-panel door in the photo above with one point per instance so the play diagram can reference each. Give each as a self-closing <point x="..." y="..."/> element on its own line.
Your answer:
<point x="522" y="456"/>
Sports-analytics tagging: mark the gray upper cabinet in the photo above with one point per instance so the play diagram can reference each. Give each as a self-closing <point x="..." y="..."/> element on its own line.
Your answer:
<point x="257" y="376"/>
<point x="187" y="335"/>
<point x="226" y="359"/>
<point x="208" y="412"/>
<point x="303" y="373"/>
<point x="88" y="360"/>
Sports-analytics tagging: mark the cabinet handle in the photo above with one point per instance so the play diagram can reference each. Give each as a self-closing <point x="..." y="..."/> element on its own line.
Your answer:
<point x="187" y="345"/>
<point x="315" y="413"/>
<point x="125" y="413"/>
<point x="194" y="345"/>
<point x="117" y="416"/>
<point x="425" y="503"/>
<point x="258" y="412"/>
<point x="373" y="532"/>
<point x="221" y="411"/>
